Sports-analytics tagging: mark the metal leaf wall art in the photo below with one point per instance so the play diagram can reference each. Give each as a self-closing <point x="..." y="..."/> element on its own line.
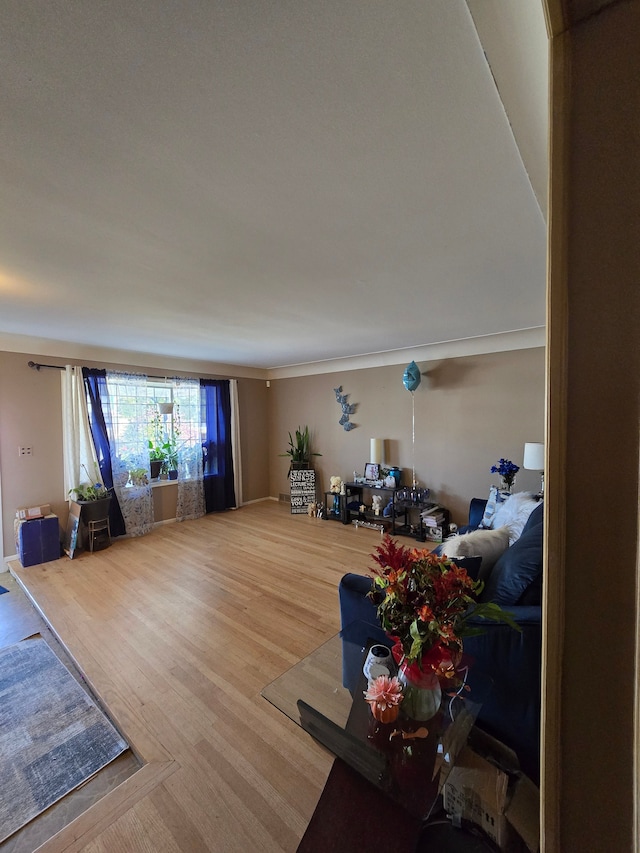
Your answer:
<point x="347" y="409"/>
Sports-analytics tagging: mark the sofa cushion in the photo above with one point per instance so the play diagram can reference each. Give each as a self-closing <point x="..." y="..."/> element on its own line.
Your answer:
<point x="488" y="544"/>
<point x="496" y="497"/>
<point x="514" y="514"/>
<point x="517" y="573"/>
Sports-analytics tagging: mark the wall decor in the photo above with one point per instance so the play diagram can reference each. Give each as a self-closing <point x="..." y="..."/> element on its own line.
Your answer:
<point x="347" y="409"/>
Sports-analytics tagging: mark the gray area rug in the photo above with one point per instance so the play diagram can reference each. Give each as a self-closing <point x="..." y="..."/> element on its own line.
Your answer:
<point x="52" y="734"/>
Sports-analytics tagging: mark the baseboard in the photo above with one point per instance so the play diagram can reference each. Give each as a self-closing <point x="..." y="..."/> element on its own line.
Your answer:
<point x="5" y="563"/>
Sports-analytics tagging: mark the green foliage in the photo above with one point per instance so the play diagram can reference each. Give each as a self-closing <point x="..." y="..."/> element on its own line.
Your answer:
<point x="156" y="453"/>
<point x="163" y="439"/>
<point x="300" y="449"/>
<point x="138" y="477"/>
<point x="91" y="491"/>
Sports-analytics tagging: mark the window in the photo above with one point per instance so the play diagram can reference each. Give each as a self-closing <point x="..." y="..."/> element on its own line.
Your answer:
<point x="156" y="421"/>
<point x="187" y="421"/>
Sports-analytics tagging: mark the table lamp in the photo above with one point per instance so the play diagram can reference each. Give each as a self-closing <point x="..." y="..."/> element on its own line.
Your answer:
<point x="534" y="461"/>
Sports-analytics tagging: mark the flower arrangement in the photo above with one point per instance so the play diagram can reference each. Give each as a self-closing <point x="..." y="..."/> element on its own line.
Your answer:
<point x="91" y="491"/>
<point x="384" y="696"/>
<point x="507" y="470"/>
<point x="427" y="601"/>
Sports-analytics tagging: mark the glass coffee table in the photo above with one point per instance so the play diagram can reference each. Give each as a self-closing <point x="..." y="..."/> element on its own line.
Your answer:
<point x="408" y="760"/>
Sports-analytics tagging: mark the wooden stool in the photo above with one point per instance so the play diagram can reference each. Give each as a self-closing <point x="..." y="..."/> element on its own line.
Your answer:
<point x="99" y="533"/>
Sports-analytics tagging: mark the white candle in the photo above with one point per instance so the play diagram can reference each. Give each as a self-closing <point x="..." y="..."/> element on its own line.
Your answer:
<point x="377" y="451"/>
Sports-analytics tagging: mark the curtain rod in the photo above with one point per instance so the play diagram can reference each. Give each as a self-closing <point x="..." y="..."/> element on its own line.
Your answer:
<point x="35" y="366"/>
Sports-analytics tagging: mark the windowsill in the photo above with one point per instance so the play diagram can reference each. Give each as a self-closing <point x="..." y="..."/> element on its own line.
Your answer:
<point x="157" y="483"/>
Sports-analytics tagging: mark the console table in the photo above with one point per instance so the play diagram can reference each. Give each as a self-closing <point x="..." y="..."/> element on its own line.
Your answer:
<point x="404" y="518"/>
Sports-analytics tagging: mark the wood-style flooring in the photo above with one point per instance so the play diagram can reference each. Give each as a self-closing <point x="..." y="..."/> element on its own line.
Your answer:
<point x="177" y="632"/>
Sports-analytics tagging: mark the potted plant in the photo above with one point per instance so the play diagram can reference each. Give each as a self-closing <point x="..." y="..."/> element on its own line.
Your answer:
<point x="163" y="443"/>
<point x="138" y="477"/>
<point x="172" y="459"/>
<point x="92" y="497"/>
<point x="156" y="459"/>
<point x="299" y="451"/>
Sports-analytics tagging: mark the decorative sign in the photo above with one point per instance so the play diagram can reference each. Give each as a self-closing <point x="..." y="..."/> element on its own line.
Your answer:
<point x="303" y="490"/>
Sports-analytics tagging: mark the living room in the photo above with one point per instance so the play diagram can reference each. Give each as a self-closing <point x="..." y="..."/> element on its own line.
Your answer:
<point x="582" y="389"/>
<point x="469" y="412"/>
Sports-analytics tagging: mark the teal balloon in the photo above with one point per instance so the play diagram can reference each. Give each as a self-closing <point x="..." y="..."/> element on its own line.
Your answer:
<point x="411" y="378"/>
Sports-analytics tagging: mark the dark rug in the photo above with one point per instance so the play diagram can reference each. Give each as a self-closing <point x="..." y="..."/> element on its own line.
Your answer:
<point x="2" y="589"/>
<point x="52" y="734"/>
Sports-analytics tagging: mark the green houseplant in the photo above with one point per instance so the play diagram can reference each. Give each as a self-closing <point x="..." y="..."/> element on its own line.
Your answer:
<point x="299" y="451"/>
<point x="93" y="498"/>
<point x="163" y="443"/>
<point x="156" y="458"/>
<point x="93" y="490"/>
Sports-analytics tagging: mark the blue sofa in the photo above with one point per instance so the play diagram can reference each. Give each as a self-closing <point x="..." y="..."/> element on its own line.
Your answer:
<point x="512" y="659"/>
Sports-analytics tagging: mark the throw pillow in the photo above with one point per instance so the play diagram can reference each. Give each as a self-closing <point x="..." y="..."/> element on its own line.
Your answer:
<point x="516" y="576"/>
<point x="496" y="497"/>
<point x="488" y="544"/>
<point x="514" y="514"/>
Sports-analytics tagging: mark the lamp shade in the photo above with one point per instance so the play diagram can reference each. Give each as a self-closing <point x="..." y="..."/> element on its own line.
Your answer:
<point x="533" y="456"/>
<point x="376" y="454"/>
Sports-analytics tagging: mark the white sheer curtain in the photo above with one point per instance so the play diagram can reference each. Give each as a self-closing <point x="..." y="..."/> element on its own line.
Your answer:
<point x="129" y="444"/>
<point x="188" y="429"/>
<point x="235" y="441"/>
<point x="77" y="445"/>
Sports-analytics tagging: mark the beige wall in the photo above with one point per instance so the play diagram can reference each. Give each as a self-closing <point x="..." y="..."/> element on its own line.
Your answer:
<point x="254" y="438"/>
<point x="468" y="411"/>
<point x="31" y="415"/>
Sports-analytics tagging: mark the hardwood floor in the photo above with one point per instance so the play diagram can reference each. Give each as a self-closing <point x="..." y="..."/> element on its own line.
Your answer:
<point x="177" y="632"/>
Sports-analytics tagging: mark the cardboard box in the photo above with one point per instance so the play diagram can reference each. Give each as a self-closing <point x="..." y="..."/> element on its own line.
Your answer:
<point x="487" y="788"/>
<point x="38" y="540"/>
<point x="27" y="513"/>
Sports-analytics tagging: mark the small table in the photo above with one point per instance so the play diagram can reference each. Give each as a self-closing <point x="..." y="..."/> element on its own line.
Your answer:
<point x="409" y="769"/>
<point x="99" y="534"/>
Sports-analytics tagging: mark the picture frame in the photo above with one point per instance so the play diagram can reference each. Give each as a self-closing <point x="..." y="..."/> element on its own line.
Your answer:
<point x="71" y="539"/>
<point x="372" y="471"/>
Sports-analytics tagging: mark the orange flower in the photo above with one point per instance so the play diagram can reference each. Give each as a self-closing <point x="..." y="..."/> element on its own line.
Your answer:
<point x="384" y="690"/>
<point x="425" y="613"/>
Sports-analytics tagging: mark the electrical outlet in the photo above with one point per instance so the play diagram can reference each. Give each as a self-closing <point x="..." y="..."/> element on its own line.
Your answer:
<point x="25" y="451"/>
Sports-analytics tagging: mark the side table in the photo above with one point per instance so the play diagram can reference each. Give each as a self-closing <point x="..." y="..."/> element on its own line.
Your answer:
<point x="99" y="534"/>
<point x="335" y="507"/>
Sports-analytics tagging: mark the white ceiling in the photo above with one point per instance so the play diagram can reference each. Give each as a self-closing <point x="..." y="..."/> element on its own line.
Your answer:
<point x="269" y="183"/>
